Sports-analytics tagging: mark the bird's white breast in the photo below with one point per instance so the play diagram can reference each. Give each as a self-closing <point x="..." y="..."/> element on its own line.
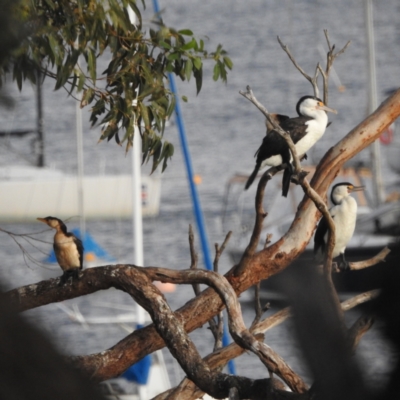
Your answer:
<point x="272" y="161"/>
<point x="344" y="217"/>
<point x="68" y="255"/>
<point x="315" y="130"/>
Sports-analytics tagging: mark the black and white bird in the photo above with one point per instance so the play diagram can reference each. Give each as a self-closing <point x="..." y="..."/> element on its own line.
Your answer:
<point x="67" y="248"/>
<point x="344" y="214"/>
<point x="305" y="130"/>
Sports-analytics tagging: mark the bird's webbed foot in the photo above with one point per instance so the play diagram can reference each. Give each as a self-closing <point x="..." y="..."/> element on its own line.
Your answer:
<point x="69" y="273"/>
<point x="343" y="265"/>
<point x="297" y="178"/>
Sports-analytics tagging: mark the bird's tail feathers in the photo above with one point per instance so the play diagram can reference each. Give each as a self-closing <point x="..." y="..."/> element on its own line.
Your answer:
<point x="252" y="176"/>
<point x="287" y="174"/>
<point x="319" y="251"/>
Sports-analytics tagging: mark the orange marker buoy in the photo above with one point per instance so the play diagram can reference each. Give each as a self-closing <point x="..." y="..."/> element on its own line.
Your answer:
<point x="197" y="179"/>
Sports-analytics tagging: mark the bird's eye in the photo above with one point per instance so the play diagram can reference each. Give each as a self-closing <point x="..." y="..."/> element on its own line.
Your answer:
<point x="321" y="103"/>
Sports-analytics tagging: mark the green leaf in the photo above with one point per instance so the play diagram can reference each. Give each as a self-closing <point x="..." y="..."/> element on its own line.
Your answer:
<point x="92" y="65"/>
<point x="186" y="32"/>
<point x="144" y="114"/>
<point x="185" y="99"/>
<point x="197" y="62"/>
<point x="217" y="71"/>
<point x="164" y="44"/>
<point x="173" y="56"/>
<point x="228" y="62"/>
<point x="168" y="155"/>
<point x="190" y="45"/>
<point x="198" y="74"/>
<point x="188" y="69"/>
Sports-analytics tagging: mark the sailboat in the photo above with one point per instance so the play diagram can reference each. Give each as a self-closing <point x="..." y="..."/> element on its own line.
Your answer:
<point x="33" y="190"/>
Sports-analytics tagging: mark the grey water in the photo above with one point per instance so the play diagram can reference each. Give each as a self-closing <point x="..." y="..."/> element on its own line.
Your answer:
<point x="224" y="130"/>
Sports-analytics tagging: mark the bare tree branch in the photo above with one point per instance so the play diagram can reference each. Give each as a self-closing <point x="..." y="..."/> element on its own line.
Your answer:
<point x="193" y="257"/>
<point x="312" y="80"/>
<point x="260" y="265"/>
<point x="380" y="257"/>
<point x="221" y="357"/>
<point x="330" y="58"/>
<point x="358" y="330"/>
<point x="260" y="216"/>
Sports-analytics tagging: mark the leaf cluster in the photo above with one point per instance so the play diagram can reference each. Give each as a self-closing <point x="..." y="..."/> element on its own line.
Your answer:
<point x="69" y="40"/>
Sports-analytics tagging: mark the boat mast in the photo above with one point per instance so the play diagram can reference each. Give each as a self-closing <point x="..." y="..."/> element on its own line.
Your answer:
<point x="39" y="122"/>
<point x="80" y="188"/>
<point x="375" y="149"/>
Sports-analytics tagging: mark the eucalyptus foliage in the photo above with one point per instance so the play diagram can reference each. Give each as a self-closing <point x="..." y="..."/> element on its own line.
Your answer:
<point x="66" y="38"/>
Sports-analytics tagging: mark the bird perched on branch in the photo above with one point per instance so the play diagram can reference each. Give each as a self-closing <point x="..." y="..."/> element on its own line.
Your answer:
<point x="344" y="214"/>
<point x="67" y="248"/>
<point x="305" y="130"/>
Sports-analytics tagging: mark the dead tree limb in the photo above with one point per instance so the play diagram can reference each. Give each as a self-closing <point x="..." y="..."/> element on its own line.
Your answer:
<point x="260" y="216"/>
<point x="221" y="357"/>
<point x="380" y="257"/>
<point x="330" y="58"/>
<point x="312" y="80"/>
<point x="358" y="330"/>
<point x="261" y="265"/>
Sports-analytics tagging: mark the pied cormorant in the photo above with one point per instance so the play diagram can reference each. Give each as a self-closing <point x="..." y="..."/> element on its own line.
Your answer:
<point x="67" y="248"/>
<point x="344" y="214"/>
<point x="305" y="130"/>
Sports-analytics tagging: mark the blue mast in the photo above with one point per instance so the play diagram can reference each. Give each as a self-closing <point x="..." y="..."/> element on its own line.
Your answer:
<point x="193" y="190"/>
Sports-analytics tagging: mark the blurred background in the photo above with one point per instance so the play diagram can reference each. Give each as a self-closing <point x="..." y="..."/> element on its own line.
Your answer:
<point x="224" y="130"/>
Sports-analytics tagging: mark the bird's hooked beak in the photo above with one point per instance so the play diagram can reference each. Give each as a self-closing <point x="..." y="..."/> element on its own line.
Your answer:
<point x="322" y="106"/>
<point x="356" y="188"/>
<point x="44" y="220"/>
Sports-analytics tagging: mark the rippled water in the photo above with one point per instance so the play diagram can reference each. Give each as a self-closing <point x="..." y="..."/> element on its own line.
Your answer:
<point x="223" y="130"/>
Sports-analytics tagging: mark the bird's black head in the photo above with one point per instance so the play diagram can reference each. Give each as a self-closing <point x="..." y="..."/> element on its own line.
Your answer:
<point x="303" y="99"/>
<point x="53" y="222"/>
<point x="342" y="189"/>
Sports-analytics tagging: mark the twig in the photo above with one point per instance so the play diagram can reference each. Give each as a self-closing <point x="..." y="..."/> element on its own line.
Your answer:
<point x="358" y="330"/>
<point x="257" y="304"/>
<point x="260" y="216"/>
<point x="267" y="240"/>
<point x="217" y="329"/>
<point x="357" y="265"/>
<point x="312" y="80"/>
<point x="330" y="58"/>
<point x="193" y="258"/>
<point x="381" y="256"/>
<point x="220" y="250"/>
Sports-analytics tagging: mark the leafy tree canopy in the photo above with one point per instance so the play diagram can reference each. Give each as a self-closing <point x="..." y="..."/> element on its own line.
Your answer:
<point x="65" y="39"/>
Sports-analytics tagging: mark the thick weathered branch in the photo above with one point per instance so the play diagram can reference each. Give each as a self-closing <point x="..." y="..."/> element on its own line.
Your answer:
<point x="221" y="357"/>
<point x="137" y="282"/>
<point x="261" y="265"/>
<point x="237" y="328"/>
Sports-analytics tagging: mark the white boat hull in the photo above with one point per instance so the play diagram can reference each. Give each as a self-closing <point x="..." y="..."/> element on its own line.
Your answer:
<point x="25" y="195"/>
